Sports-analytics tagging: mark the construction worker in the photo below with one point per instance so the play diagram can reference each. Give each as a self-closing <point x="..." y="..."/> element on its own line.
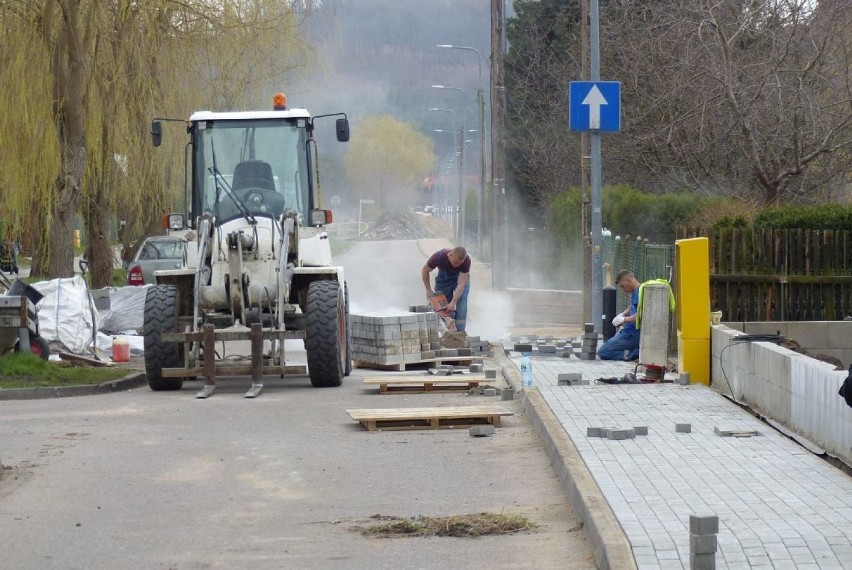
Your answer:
<point x="625" y="344"/>
<point x="453" y="280"/>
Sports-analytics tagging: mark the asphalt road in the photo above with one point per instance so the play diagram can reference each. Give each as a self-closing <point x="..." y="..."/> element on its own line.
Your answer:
<point x="144" y="480"/>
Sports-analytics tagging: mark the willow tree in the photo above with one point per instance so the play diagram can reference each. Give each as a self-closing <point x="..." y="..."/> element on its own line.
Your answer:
<point x="387" y="159"/>
<point x="111" y="67"/>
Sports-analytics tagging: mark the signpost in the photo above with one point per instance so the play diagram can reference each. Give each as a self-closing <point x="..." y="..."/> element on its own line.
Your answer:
<point x="595" y="107"/>
<point x="360" y="204"/>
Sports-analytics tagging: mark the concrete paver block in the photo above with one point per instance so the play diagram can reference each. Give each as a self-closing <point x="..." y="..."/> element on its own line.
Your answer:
<point x="703" y="543"/>
<point x="703" y="524"/>
<point x="593" y="431"/>
<point x="683" y="428"/>
<point x="481" y="431"/>
<point x="489" y="392"/>
<point x="683" y="379"/>
<point x="527" y="347"/>
<point x="702" y="562"/>
<point x="641" y="430"/>
<point x="507" y="394"/>
<point x="490" y="374"/>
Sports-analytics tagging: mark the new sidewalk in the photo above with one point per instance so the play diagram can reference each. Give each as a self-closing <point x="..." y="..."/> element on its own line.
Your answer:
<point x="779" y="506"/>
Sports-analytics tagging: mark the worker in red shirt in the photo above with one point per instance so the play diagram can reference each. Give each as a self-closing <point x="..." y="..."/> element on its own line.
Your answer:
<point x="453" y="280"/>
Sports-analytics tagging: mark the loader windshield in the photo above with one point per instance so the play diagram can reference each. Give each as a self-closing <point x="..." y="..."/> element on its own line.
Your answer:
<point x="258" y="165"/>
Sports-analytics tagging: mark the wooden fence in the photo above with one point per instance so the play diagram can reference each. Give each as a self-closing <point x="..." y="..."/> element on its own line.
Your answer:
<point x="779" y="275"/>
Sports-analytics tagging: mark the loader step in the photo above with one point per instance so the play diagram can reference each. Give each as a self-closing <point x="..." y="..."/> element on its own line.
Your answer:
<point x="420" y="384"/>
<point x="428" y="418"/>
<point x="419" y="364"/>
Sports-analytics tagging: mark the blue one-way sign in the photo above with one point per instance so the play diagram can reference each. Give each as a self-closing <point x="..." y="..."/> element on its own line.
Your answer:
<point x="594" y="106"/>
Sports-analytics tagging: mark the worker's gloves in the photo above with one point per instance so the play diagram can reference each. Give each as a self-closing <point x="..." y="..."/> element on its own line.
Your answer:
<point x="618" y="320"/>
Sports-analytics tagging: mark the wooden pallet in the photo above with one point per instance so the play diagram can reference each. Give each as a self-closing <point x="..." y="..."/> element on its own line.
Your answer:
<point x="429" y="383"/>
<point x="428" y="418"/>
<point x="429" y="363"/>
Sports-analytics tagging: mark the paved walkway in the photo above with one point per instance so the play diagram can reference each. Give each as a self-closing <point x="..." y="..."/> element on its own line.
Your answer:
<point x="779" y="506"/>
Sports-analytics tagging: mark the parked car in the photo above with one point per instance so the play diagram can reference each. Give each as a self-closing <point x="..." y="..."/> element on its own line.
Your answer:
<point x="156" y="252"/>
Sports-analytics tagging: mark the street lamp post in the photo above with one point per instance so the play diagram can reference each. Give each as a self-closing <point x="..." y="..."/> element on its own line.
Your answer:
<point x="461" y="207"/>
<point x="453" y="219"/>
<point x="480" y="95"/>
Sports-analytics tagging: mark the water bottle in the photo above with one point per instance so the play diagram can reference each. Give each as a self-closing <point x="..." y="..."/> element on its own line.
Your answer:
<point x="526" y="371"/>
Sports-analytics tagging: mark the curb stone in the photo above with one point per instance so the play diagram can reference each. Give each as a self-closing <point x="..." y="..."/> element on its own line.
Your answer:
<point x="133" y="380"/>
<point x="608" y="541"/>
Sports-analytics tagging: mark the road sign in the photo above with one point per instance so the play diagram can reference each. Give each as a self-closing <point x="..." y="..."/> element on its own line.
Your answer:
<point x="594" y="106"/>
<point x="367" y="202"/>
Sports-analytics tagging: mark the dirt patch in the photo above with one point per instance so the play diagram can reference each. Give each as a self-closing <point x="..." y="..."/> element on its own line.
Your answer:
<point x="408" y="225"/>
<point x="469" y="526"/>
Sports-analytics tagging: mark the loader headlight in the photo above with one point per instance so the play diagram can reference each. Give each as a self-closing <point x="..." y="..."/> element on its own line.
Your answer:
<point x="320" y="217"/>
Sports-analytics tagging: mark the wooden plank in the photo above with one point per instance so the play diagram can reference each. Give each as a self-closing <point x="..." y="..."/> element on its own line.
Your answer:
<point x="84" y="360"/>
<point x="422" y="384"/>
<point x="429" y="363"/>
<point x="428" y="418"/>
<point x="420" y="378"/>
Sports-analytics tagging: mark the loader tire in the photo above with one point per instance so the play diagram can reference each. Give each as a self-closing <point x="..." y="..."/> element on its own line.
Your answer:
<point x="348" y="367"/>
<point x="325" y="333"/>
<point x="161" y="315"/>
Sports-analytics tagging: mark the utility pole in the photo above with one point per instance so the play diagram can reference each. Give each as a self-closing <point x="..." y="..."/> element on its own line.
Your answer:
<point x="499" y="229"/>
<point x="586" y="229"/>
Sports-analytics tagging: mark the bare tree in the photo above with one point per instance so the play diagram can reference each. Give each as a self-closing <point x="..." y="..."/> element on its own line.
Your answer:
<point x="745" y="98"/>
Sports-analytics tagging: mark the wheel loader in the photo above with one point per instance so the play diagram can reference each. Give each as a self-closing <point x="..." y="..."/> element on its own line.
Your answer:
<point x="258" y="266"/>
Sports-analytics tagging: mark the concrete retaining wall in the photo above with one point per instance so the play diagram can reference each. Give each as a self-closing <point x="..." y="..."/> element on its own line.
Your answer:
<point x="832" y="338"/>
<point x="546" y="307"/>
<point x="792" y="389"/>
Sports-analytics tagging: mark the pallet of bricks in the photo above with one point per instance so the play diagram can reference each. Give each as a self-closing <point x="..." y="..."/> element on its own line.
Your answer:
<point x="394" y="339"/>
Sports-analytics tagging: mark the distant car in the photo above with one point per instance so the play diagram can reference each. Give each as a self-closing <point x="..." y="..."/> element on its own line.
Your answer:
<point x="156" y="252"/>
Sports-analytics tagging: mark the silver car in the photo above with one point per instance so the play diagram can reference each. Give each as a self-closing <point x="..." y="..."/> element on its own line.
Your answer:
<point x="156" y="252"/>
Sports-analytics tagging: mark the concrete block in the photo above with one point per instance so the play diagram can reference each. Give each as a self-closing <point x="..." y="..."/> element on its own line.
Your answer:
<point x="427" y="355"/>
<point x="593" y="432"/>
<point x="641" y="430"/>
<point x="464" y="352"/>
<point x="507" y="394"/>
<point x="481" y="431"/>
<point x="683" y="379"/>
<point x="620" y="434"/>
<point x="734" y="433"/>
<point x="589" y="327"/>
<point x="563" y="382"/>
<point x="527" y="347"/>
<point x="489" y="392"/>
<point x="476" y="367"/>
<point x="702" y="562"/>
<point x="702" y="543"/>
<point x="703" y="524"/>
<point x="683" y="428"/>
<point x="569" y="376"/>
<point x="547" y="348"/>
<point x="490" y="374"/>
<point x="580" y="383"/>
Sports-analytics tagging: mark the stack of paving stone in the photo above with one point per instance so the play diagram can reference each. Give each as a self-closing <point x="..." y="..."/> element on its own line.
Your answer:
<point x="543" y="345"/>
<point x="383" y="338"/>
<point x="589" y="347"/>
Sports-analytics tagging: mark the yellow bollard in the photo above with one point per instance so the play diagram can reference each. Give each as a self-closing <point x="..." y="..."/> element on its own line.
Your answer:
<point x="692" y="259"/>
<point x="76" y="238"/>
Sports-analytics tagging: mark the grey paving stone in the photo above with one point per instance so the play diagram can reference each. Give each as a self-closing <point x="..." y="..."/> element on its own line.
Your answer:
<point x="481" y="431"/>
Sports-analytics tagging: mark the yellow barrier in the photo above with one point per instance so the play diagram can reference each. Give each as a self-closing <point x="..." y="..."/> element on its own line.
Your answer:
<point x="692" y="259"/>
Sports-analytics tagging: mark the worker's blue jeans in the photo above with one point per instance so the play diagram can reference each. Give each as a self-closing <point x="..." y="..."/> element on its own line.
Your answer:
<point x="447" y="284"/>
<point x="623" y="346"/>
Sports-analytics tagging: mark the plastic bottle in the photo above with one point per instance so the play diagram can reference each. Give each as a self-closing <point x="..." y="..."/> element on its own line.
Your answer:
<point x="526" y="371"/>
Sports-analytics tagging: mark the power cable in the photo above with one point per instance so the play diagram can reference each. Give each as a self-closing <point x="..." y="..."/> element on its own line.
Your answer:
<point x="746" y="339"/>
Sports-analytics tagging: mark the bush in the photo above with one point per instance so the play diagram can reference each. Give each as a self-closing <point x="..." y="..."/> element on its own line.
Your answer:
<point x="822" y="217"/>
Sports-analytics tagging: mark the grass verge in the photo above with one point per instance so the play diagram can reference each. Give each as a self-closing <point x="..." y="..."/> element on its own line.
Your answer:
<point x="20" y="370"/>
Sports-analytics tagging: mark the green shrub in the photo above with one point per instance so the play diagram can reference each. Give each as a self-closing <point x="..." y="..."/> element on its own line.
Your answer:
<point x="821" y="217"/>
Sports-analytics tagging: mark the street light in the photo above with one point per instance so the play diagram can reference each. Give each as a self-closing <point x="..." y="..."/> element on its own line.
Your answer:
<point x="481" y="104"/>
<point x="461" y="164"/>
<point x="452" y="162"/>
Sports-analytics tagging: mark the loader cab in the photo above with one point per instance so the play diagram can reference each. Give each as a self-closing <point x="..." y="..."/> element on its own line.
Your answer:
<point x="255" y="164"/>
